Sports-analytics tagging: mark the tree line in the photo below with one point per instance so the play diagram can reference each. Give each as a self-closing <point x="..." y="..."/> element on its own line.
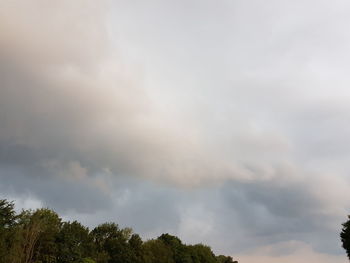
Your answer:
<point x="41" y="236"/>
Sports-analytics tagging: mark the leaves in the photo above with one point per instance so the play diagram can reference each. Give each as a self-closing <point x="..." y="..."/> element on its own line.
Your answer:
<point x="40" y="236"/>
<point x="345" y="236"/>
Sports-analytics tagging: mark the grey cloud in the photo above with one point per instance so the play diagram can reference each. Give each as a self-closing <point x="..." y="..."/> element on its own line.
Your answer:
<point x="61" y="194"/>
<point x="241" y="103"/>
<point x="250" y="215"/>
<point x="232" y="218"/>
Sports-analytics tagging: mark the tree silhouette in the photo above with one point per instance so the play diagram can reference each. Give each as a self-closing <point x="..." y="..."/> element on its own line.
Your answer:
<point x="345" y="236"/>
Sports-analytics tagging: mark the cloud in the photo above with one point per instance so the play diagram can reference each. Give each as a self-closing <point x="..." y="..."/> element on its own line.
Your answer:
<point x="224" y="122"/>
<point x="289" y="252"/>
<point x="67" y="98"/>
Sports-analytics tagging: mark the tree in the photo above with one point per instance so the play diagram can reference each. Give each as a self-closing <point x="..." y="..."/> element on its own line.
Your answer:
<point x="202" y="254"/>
<point x="87" y="260"/>
<point x="29" y="231"/>
<point x="112" y="243"/>
<point x="225" y="259"/>
<point x="37" y="231"/>
<point x="180" y="251"/>
<point x="7" y="214"/>
<point x="50" y="223"/>
<point x="345" y="236"/>
<point x="8" y="233"/>
<point x="135" y="244"/>
<point x="40" y="236"/>
<point x="155" y="251"/>
<point x="74" y="243"/>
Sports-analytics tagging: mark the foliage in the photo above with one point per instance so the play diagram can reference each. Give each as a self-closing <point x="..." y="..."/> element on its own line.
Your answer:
<point x="74" y="243"/>
<point x="345" y="236"/>
<point x="202" y="254"/>
<point x="225" y="259"/>
<point x="40" y="236"/>
<point x="8" y="220"/>
<point x="155" y="251"/>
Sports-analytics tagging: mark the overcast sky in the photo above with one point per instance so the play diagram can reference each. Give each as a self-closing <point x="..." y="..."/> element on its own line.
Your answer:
<point x="224" y="122"/>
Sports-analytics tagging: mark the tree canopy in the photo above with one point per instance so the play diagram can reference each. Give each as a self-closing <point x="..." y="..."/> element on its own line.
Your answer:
<point x="345" y="236"/>
<point x="41" y="236"/>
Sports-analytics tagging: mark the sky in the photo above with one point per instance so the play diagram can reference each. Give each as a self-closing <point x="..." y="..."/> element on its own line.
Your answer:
<point x="222" y="122"/>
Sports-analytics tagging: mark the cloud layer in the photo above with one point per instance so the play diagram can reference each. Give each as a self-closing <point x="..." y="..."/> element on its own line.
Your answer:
<point x="223" y="123"/>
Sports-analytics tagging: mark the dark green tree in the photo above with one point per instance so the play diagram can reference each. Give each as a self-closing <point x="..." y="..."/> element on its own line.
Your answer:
<point x="135" y="244"/>
<point x="40" y="237"/>
<point x="74" y="243"/>
<point x="8" y="231"/>
<point x="49" y="224"/>
<point x="202" y="254"/>
<point x="345" y="236"/>
<point x="225" y="259"/>
<point x="112" y="243"/>
<point x="155" y="251"/>
<point x="180" y="251"/>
